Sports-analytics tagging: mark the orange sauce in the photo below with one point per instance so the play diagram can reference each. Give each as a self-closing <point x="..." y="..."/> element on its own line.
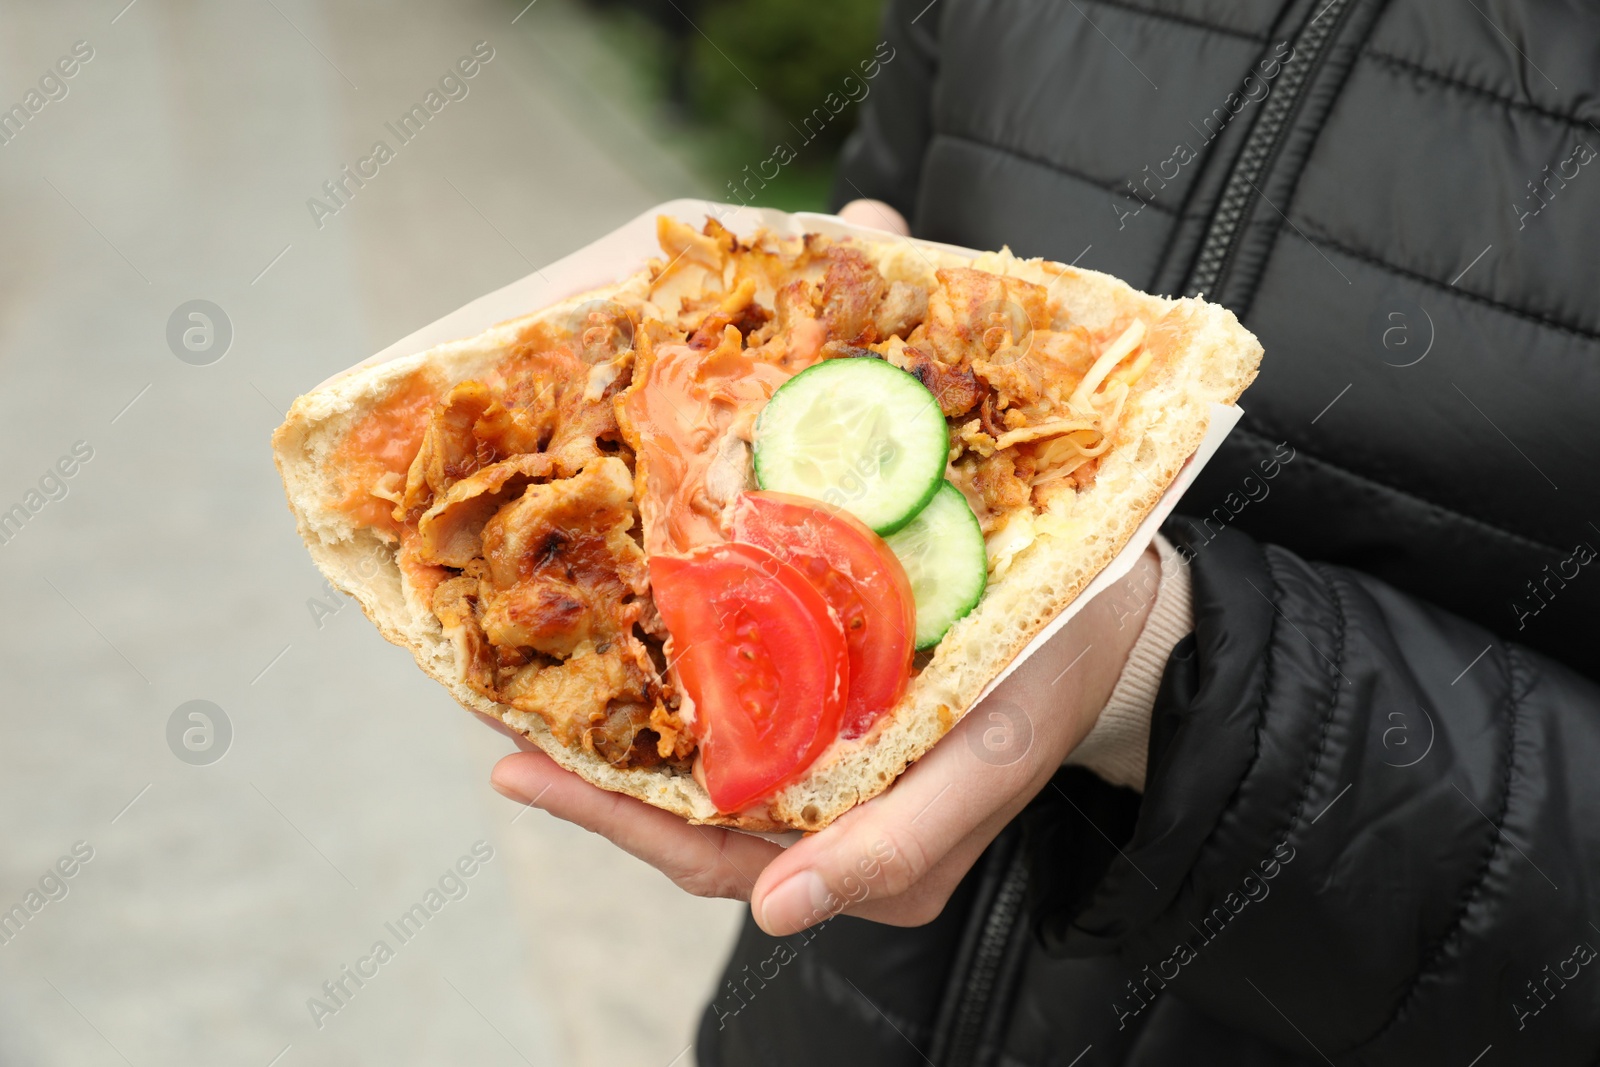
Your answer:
<point x="689" y="399"/>
<point x="423" y="577"/>
<point x="383" y="441"/>
<point x="532" y="367"/>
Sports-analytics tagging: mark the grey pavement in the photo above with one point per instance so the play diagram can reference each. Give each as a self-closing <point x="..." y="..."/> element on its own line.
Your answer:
<point x="218" y="898"/>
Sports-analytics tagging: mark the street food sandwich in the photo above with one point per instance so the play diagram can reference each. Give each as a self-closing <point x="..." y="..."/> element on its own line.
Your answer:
<point x="744" y="534"/>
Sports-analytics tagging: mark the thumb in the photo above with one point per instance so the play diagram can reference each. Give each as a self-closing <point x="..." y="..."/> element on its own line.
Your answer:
<point x="910" y="845"/>
<point x="860" y="862"/>
<point x="875" y="214"/>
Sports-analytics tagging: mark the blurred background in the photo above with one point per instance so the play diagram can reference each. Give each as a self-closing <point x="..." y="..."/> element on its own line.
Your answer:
<point x="219" y="787"/>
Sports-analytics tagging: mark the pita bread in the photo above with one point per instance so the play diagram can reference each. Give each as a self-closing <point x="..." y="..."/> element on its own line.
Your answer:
<point x="1040" y="559"/>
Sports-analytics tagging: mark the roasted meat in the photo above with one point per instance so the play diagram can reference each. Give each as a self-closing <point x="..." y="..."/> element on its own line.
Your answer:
<point x="563" y="569"/>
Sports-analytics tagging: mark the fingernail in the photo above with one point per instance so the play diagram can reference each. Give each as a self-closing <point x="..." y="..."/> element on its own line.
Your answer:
<point x="500" y="784"/>
<point x="798" y="902"/>
<point x="506" y="791"/>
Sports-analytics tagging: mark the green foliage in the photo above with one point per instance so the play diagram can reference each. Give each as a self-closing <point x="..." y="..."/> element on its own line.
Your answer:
<point x="795" y="52"/>
<point x="683" y="59"/>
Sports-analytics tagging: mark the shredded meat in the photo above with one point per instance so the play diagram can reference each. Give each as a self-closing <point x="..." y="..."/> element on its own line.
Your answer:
<point x="972" y="438"/>
<point x="737" y="309"/>
<point x="511" y="431"/>
<point x="680" y="243"/>
<point x="840" y="350"/>
<point x="989" y="419"/>
<point x="551" y="390"/>
<point x="976" y="315"/>
<point x="454" y="604"/>
<point x="573" y="696"/>
<point x="543" y="406"/>
<point x="582" y="426"/>
<point x="673" y="740"/>
<point x="625" y="737"/>
<point x="901" y="311"/>
<point x="852" y="289"/>
<point x="562" y="569"/>
<point x="995" y="479"/>
<point x="449" y="449"/>
<point x="450" y="532"/>
<point x="956" y="387"/>
<point x="544" y="619"/>
<point x="796" y="300"/>
<point x="1039" y="383"/>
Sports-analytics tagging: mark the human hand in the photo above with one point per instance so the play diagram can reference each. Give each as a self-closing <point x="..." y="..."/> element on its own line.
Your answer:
<point x="875" y="214"/>
<point x="896" y="858"/>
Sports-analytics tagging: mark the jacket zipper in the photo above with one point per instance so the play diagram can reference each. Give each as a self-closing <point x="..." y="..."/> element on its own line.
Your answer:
<point x="1221" y="241"/>
<point x="961" y="1041"/>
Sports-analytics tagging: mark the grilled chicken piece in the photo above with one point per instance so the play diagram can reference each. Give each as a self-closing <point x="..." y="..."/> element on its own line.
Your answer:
<point x="581" y="425"/>
<point x="852" y="289"/>
<point x="449" y="449"/>
<point x="680" y="243"/>
<point x="541" y="405"/>
<point x="451" y="531"/>
<point x="455" y="606"/>
<point x="957" y="389"/>
<point x="995" y="479"/>
<point x="1040" y="382"/>
<point x="901" y="311"/>
<point x="626" y="737"/>
<point x="550" y="390"/>
<point x="976" y="315"/>
<point x="562" y="568"/>
<point x="573" y="696"/>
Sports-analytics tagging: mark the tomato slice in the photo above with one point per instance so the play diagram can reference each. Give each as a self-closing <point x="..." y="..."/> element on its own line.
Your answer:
<point x="763" y="658"/>
<point x="862" y="580"/>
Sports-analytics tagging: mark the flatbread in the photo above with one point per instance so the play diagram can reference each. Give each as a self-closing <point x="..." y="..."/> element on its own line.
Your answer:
<point x="1038" y="566"/>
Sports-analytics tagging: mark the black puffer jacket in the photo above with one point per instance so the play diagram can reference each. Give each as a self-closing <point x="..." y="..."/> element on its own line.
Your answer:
<point x="1371" y="828"/>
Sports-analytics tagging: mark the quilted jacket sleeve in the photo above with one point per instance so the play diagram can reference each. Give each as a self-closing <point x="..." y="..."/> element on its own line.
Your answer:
<point x="1370" y="830"/>
<point x="882" y="158"/>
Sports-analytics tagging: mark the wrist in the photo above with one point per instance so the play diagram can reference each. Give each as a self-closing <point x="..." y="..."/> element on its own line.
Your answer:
<point x="1094" y="646"/>
<point x="1117" y="745"/>
<point x="1062" y="688"/>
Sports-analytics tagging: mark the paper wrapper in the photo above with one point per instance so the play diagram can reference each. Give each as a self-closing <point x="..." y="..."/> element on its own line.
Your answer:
<point x="626" y="251"/>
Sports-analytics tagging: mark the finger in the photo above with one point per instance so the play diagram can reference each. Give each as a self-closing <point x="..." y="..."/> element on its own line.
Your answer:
<point x="887" y="847"/>
<point x="926" y="899"/>
<point x="704" y="860"/>
<point x="876" y="215"/>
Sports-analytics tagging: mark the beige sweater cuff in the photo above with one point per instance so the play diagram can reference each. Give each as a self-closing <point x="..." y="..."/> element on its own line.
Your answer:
<point x="1117" y="747"/>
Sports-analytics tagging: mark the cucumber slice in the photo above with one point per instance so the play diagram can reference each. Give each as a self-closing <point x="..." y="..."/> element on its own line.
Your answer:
<point x="943" y="554"/>
<point x="857" y="433"/>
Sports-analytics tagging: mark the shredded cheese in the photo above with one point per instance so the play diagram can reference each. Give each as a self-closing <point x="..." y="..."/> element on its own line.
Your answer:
<point x="1120" y="349"/>
<point x="1053" y="428"/>
<point x="1131" y="374"/>
<point x="1055" y="474"/>
<point x="1119" y="393"/>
